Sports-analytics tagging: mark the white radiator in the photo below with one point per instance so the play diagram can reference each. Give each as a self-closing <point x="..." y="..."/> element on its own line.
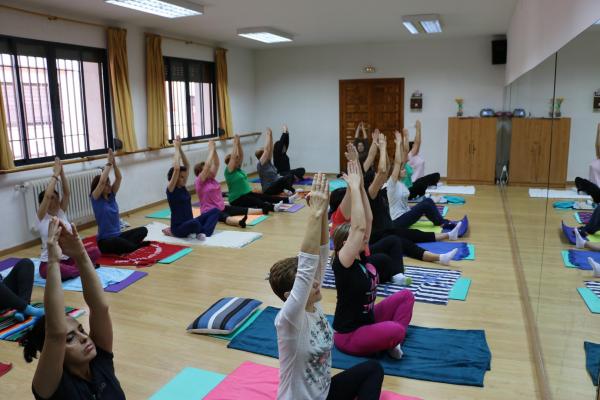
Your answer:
<point x="80" y="206"/>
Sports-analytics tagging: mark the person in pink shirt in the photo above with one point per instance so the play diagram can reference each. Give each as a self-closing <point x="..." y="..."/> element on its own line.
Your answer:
<point x="592" y="186"/>
<point x="209" y="191"/>
<point x="414" y="159"/>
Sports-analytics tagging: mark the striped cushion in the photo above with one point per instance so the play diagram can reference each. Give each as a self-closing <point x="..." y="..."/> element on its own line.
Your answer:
<point x="224" y="316"/>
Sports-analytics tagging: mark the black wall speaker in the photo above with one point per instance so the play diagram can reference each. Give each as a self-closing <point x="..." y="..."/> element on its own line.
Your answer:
<point x="499" y="51"/>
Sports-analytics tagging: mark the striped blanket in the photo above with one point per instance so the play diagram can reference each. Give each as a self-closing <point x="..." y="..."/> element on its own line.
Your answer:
<point x="429" y="285"/>
<point x="13" y="330"/>
<point x="594" y="286"/>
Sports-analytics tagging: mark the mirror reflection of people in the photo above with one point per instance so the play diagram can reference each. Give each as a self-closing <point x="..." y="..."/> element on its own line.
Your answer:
<point x="591" y="186"/>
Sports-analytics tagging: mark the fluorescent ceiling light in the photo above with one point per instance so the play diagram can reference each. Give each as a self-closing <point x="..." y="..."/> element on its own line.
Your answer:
<point x="265" y="35"/>
<point x="428" y="23"/>
<point x="170" y="9"/>
<point x="411" y="27"/>
<point x="597" y="22"/>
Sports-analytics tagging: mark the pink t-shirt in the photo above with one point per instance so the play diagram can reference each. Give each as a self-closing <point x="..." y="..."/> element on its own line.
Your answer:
<point x="209" y="194"/>
<point x="418" y="165"/>
<point x="595" y="172"/>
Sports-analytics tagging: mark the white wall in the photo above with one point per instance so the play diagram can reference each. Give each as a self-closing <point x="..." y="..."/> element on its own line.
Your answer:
<point x="300" y="86"/>
<point x="144" y="173"/>
<point x="538" y="28"/>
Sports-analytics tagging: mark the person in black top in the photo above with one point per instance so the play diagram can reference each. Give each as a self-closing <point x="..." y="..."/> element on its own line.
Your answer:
<point x="361" y="143"/>
<point x="72" y="364"/>
<point x="281" y="159"/>
<point x="361" y="327"/>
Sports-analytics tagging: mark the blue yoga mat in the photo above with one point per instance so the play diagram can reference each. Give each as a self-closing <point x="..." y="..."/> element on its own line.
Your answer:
<point x="592" y="360"/>
<point x="579" y="258"/>
<point x="444" y="247"/>
<point x="455" y="199"/>
<point x="459" y="357"/>
<point x="564" y="205"/>
<point x="569" y="233"/>
<point x="463" y="228"/>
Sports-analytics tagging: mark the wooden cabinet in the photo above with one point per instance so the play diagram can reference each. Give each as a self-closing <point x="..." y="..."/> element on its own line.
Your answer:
<point x="539" y="151"/>
<point x="471" y="150"/>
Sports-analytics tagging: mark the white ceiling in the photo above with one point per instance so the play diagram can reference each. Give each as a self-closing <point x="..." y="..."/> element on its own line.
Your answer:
<point x="312" y="22"/>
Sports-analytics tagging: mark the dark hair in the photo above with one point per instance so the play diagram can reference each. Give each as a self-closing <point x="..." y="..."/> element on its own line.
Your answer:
<point x="410" y="145"/>
<point x="33" y="341"/>
<point x="95" y="183"/>
<point x="259" y="153"/>
<point x="198" y="168"/>
<point x="335" y="199"/>
<point x="282" y="276"/>
<point x="340" y="235"/>
<point x="41" y="196"/>
<point x="227" y="158"/>
<point x="170" y="173"/>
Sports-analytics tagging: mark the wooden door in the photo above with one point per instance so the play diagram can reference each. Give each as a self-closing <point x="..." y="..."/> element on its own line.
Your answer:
<point x="459" y="149"/>
<point x="540" y="133"/>
<point x="483" y="150"/>
<point x="559" y="152"/>
<point x="379" y="103"/>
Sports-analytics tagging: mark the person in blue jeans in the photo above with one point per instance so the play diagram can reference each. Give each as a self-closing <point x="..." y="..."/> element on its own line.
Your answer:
<point x="183" y="223"/>
<point x="398" y="194"/>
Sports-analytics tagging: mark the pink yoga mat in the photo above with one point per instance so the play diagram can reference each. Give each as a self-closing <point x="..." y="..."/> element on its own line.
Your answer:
<point x="252" y="381"/>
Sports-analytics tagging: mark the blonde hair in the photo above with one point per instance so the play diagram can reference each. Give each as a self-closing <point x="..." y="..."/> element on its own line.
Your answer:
<point x="282" y="276"/>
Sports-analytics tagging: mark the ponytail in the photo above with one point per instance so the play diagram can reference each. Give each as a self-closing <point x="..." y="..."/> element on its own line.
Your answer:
<point x="33" y="341"/>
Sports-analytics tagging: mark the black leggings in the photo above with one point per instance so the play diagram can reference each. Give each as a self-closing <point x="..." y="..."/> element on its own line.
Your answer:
<point x="232" y="211"/>
<point x="361" y="382"/>
<point x="583" y="185"/>
<point x="15" y="289"/>
<point x="387" y="255"/>
<point x="281" y="184"/>
<point x="419" y="186"/>
<point x="126" y="242"/>
<point x="411" y="235"/>
<point x="297" y="172"/>
<point x="257" y="200"/>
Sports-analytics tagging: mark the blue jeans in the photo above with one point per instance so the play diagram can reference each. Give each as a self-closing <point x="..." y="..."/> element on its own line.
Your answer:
<point x="205" y="223"/>
<point x="427" y="208"/>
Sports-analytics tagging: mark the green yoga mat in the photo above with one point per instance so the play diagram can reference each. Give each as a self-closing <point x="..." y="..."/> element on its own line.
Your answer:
<point x="591" y="300"/>
<point x="565" y="257"/>
<point x="426" y="226"/>
<point x="241" y="328"/>
<point x="258" y="220"/>
<point x="460" y="289"/>
<point x="160" y="214"/>
<point x="189" y="384"/>
<point x="176" y="256"/>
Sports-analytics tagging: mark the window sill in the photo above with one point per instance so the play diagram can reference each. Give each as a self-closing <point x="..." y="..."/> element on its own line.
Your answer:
<point x="98" y="157"/>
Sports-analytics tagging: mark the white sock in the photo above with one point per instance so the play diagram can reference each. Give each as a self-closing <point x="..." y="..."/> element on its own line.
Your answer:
<point x="289" y="193"/>
<point x="401" y="279"/>
<point x="192" y="236"/>
<point x="201" y="237"/>
<point x="396" y="352"/>
<point x="579" y="240"/>
<point x="447" y="257"/>
<point x="453" y="234"/>
<point x="277" y="206"/>
<point x="595" y="266"/>
<point x="293" y="198"/>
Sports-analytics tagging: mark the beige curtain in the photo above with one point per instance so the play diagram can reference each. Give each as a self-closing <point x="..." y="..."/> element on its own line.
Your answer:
<point x="155" y="93"/>
<point x="6" y="155"/>
<point x="118" y="71"/>
<point x="222" y="92"/>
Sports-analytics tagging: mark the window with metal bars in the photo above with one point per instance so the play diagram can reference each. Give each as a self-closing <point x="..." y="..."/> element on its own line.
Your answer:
<point x="191" y="99"/>
<point x="56" y="99"/>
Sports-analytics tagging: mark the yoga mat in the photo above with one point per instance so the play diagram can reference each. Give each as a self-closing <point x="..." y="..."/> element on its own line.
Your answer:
<point x="591" y="300"/>
<point x="564" y="205"/>
<point x="592" y="360"/>
<point x="240" y="328"/>
<point x="569" y="233"/>
<point x="130" y="280"/>
<point x="107" y="275"/>
<point x="189" y="384"/>
<point x="337" y="184"/>
<point x="578" y="258"/>
<point x="565" y="257"/>
<point x="291" y="208"/>
<point x="451" y="189"/>
<point x="463" y="252"/>
<point x="460" y="289"/>
<point x="583" y="217"/>
<point x="251" y="381"/>
<point x="426" y="226"/>
<point x="8" y="263"/>
<point x="455" y="199"/>
<point x="174" y="257"/>
<point x="304" y="182"/>
<point x="255" y="219"/>
<point x="432" y="354"/>
<point x="142" y="257"/>
<point x="464" y="227"/>
<point x="254" y="180"/>
<point x="160" y="214"/>
<point x="556" y="194"/>
<point x="594" y="286"/>
<point x="471" y="255"/>
<point x="230" y="239"/>
<point x="4" y="368"/>
<point x="13" y="330"/>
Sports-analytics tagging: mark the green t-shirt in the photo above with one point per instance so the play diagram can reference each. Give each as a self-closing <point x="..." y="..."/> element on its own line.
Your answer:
<point x="408" y="178"/>
<point x="237" y="182"/>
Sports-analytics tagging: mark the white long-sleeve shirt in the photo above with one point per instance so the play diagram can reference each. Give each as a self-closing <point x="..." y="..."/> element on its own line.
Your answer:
<point x="304" y="339"/>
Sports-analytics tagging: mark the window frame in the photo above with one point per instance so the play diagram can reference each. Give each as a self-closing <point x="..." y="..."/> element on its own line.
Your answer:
<point x="50" y="50"/>
<point x="188" y="112"/>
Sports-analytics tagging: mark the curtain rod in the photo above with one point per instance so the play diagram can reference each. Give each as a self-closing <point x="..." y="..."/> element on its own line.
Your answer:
<point x="52" y="17"/>
<point x="186" y="41"/>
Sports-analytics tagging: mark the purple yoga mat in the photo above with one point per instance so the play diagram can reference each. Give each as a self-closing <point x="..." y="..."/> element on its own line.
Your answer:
<point x="307" y="181"/>
<point x="130" y="280"/>
<point x="8" y="263"/>
<point x="294" y="208"/>
<point x="584" y="216"/>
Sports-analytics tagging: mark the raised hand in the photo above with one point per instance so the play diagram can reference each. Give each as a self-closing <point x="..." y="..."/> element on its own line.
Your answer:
<point x="418" y="124"/>
<point x="177" y="142"/>
<point x="284" y="128"/>
<point x="375" y="136"/>
<point x="269" y="132"/>
<point x="381" y="141"/>
<point x="351" y="152"/>
<point x="397" y="137"/>
<point x="211" y="145"/>
<point x="57" y="168"/>
<point x="111" y="156"/>
<point x="319" y="195"/>
<point x="54" y="232"/>
<point x="354" y="177"/>
<point x="70" y="242"/>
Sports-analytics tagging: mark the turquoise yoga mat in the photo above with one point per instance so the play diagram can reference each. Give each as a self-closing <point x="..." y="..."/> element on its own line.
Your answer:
<point x="241" y="328"/>
<point x="460" y="289"/>
<point x="576" y="216"/>
<point x="160" y="214"/>
<point x="189" y="384"/>
<point x="471" y="255"/>
<point x="337" y="184"/>
<point x="591" y="300"/>
<point x="176" y="256"/>
<point x="258" y="220"/>
<point x="565" y="257"/>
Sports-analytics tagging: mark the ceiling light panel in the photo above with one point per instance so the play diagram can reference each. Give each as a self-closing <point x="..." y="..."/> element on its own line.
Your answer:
<point x="411" y="27"/>
<point x="422" y="23"/>
<point x="265" y="35"/>
<point x="170" y="9"/>
<point x="431" y="26"/>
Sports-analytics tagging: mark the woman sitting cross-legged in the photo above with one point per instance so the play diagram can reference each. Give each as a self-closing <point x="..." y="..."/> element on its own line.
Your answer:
<point x="15" y="290"/>
<point x="209" y="191"/>
<point x="110" y="238"/>
<point x="183" y="223"/>
<point x="72" y="365"/>
<point x="51" y="204"/>
<point x="304" y="337"/>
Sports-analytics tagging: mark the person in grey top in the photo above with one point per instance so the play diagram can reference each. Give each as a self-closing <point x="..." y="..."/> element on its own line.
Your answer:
<point x="271" y="182"/>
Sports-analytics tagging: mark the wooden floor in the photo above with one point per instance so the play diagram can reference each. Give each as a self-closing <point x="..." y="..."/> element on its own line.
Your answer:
<point x="150" y="317"/>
